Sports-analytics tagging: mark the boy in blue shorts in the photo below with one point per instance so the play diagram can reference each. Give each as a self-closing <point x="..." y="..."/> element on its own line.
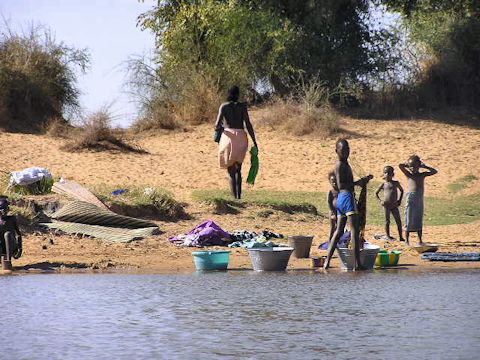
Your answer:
<point x="346" y="205"/>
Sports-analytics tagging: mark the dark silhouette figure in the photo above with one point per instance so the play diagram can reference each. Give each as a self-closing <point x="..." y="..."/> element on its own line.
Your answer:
<point x="231" y="120"/>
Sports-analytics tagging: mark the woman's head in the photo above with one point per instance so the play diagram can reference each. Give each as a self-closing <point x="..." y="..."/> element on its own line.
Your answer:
<point x="233" y="93"/>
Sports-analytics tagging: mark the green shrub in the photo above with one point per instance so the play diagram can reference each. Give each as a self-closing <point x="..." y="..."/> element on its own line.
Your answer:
<point x="41" y="187"/>
<point x="37" y="79"/>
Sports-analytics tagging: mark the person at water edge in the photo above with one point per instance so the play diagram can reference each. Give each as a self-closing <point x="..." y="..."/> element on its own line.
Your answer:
<point x="332" y="202"/>
<point x="414" y="198"/>
<point x="391" y="201"/>
<point x="346" y="205"/>
<point x="232" y="120"/>
<point x="10" y="236"/>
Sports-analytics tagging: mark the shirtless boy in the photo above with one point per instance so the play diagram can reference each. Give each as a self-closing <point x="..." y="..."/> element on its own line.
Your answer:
<point x="332" y="202"/>
<point x="391" y="201"/>
<point x="346" y="206"/>
<point x="414" y="202"/>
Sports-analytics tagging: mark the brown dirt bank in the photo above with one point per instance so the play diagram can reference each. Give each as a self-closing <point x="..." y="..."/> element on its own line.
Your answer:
<point x="157" y="255"/>
<point x="185" y="161"/>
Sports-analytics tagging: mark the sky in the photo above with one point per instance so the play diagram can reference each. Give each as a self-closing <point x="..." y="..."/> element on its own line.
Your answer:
<point x="107" y="28"/>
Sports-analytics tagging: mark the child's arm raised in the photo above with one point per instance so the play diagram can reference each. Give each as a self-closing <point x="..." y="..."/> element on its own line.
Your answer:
<point x="431" y="171"/>
<point x="363" y="181"/>
<point x="404" y="168"/>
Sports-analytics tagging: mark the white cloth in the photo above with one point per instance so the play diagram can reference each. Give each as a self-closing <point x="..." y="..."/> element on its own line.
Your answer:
<point x="29" y="176"/>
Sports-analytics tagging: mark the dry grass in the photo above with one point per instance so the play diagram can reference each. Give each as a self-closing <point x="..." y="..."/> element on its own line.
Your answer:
<point x="199" y="104"/>
<point x="58" y="128"/>
<point x="97" y="135"/>
<point x="193" y="101"/>
<point x="158" y="116"/>
<point x="299" y="118"/>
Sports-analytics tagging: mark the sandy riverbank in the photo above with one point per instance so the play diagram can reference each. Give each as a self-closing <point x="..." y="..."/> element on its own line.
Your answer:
<point x="185" y="161"/>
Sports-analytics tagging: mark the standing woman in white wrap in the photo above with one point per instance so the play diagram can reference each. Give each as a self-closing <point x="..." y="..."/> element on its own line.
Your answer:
<point x="233" y="119"/>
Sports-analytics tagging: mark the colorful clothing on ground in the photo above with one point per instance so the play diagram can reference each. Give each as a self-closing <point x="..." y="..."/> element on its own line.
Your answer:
<point x="414" y="211"/>
<point x="206" y="234"/>
<point x="346" y="204"/>
<point x="251" y="239"/>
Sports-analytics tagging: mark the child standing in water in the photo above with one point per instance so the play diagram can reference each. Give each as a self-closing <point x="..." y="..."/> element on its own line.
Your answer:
<point x="391" y="201"/>
<point x="414" y="202"/>
<point x="346" y="206"/>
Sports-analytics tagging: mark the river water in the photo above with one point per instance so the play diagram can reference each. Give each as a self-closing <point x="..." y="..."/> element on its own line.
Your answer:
<point x="398" y="314"/>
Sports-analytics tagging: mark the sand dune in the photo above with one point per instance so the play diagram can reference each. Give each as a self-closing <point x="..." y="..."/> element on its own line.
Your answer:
<point x="182" y="161"/>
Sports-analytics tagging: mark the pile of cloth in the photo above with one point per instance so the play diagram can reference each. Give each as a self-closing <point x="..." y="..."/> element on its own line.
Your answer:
<point x="343" y="242"/>
<point x="29" y="176"/>
<point x="31" y="181"/>
<point x="210" y="234"/>
<point x="205" y="234"/>
<point x="251" y="239"/>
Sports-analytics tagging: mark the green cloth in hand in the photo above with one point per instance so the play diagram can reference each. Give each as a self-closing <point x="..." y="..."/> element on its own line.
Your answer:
<point x="254" y="165"/>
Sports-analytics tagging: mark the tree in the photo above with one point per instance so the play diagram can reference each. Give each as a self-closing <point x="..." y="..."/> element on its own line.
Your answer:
<point x="335" y="37"/>
<point x="448" y="35"/>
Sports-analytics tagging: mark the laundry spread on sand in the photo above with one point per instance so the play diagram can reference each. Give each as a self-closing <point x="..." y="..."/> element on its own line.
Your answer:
<point x="118" y="192"/>
<point x="206" y="234"/>
<point x="382" y="237"/>
<point x="84" y="218"/>
<point x="103" y="232"/>
<point x="86" y="213"/>
<point x="250" y="239"/>
<point x="77" y="191"/>
<point x="240" y="235"/>
<point x="210" y="234"/>
<point x="29" y="176"/>
<point x="445" y="256"/>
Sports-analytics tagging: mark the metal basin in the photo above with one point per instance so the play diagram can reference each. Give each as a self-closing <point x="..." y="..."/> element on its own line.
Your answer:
<point x="270" y="259"/>
<point x="367" y="256"/>
<point x="301" y="245"/>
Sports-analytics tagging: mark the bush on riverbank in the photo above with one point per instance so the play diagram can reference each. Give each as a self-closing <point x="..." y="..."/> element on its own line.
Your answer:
<point x="38" y="79"/>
